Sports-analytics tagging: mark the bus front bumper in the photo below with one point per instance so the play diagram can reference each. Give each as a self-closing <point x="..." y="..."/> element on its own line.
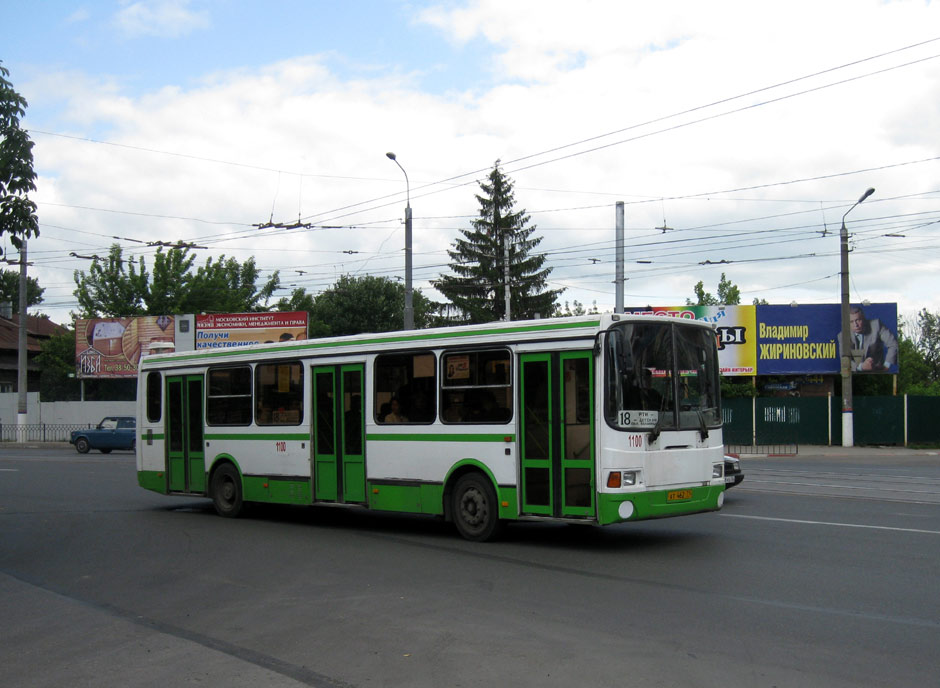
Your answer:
<point x="619" y="507"/>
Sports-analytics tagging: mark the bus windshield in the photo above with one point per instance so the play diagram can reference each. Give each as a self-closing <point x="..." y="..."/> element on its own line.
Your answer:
<point x="661" y="376"/>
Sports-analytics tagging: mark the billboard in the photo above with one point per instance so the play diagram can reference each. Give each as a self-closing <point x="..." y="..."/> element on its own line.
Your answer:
<point x="796" y="340"/>
<point x="112" y="347"/>
<point x="734" y="329"/>
<point x="225" y="330"/>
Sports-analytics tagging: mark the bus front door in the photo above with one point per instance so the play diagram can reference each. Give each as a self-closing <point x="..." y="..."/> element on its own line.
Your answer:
<point x="338" y="431"/>
<point x="186" y="458"/>
<point x="557" y="438"/>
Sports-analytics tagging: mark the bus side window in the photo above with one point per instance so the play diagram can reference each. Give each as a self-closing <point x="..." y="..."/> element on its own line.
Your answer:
<point x="408" y="381"/>
<point x="279" y="393"/>
<point x="476" y="387"/>
<point x="154" y="396"/>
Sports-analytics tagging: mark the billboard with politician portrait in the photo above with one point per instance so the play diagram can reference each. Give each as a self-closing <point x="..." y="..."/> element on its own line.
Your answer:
<point x="796" y="340"/>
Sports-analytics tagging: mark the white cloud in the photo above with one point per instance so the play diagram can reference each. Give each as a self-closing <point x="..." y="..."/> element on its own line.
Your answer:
<point x="564" y="72"/>
<point x="164" y="18"/>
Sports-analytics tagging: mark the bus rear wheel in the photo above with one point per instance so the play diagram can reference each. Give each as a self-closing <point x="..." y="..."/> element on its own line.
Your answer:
<point x="475" y="510"/>
<point x="225" y="488"/>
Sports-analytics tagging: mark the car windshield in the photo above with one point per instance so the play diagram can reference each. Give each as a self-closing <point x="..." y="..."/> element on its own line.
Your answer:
<point x="661" y="375"/>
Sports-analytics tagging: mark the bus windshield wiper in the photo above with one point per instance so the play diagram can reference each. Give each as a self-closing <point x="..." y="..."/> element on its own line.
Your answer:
<point x="657" y="429"/>
<point x="702" y="427"/>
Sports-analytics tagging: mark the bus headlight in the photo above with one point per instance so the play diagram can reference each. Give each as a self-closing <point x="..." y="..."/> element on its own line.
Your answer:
<point x="718" y="470"/>
<point x="616" y="479"/>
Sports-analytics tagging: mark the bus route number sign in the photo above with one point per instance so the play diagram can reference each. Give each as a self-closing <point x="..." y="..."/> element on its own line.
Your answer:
<point x="634" y="419"/>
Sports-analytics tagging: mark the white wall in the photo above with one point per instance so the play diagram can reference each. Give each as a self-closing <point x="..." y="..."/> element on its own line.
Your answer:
<point x="62" y="412"/>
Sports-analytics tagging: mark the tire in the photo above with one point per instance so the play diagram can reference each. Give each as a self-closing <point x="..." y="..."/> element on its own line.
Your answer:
<point x="105" y="451"/>
<point x="225" y="488"/>
<point x="475" y="510"/>
<point x="133" y="446"/>
<point x="82" y="446"/>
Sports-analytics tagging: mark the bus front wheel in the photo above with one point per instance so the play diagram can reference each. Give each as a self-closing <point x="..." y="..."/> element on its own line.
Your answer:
<point x="226" y="491"/>
<point x="475" y="510"/>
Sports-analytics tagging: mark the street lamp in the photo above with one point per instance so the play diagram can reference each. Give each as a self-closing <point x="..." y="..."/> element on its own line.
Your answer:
<point x="409" y="308"/>
<point x="848" y="429"/>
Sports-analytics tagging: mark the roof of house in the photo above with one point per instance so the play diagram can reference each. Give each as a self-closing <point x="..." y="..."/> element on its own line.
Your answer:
<point x="38" y="328"/>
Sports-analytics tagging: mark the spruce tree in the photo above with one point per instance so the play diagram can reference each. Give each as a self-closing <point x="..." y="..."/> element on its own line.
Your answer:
<point x="475" y="290"/>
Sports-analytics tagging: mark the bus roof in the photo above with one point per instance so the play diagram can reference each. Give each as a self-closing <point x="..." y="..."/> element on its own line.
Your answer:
<point x="576" y="327"/>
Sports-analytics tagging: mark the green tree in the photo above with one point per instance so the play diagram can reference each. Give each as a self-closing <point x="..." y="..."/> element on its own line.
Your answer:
<point x="115" y="286"/>
<point x="476" y="289"/>
<point x="300" y="300"/>
<point x="57" y="361"/>
<point x="227" y="286"/>
<point x="171" y="282"/>
<point x="728" y="294"/>
<point x="110" y="289"/>
<point x="10" y="289"/>
<point x="579" y="309"/>
<point x="919" y="356"/>
<point x="367" y="304"/>
<point x="17" y="178"/>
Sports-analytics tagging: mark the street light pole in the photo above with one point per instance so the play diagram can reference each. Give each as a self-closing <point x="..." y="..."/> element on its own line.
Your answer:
<point x="409" y="306"/>
<point x="848" y="428"/>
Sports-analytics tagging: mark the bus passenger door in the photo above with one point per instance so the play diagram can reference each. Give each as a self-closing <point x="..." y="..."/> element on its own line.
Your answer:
<point x="338" y="434"/>
<point x="557" y="434"/>
<point x="186" y="458"/>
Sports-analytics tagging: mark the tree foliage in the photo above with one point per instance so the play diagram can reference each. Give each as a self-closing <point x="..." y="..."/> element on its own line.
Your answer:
<point x="115" y="286"/>
<point x="17" y="178"/>
<point x="57" y="361"/>
<point x="728" y="294"/>
<point x="358" y="304"/>
<point x="10" y="289"/>
<point x="475" y="290"/>
<point x="919" y="356"/>
<point x="578" y="309"/>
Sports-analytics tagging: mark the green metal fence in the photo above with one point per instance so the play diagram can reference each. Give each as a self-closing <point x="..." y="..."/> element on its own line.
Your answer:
<point x="923" y="420"/>
<point x="818" y="420"/>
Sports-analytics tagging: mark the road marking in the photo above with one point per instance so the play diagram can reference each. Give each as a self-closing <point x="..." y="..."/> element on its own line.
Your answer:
<point x="830" y="523"/>
<point x="880" y="487"/>
<point x="10" y="470"/>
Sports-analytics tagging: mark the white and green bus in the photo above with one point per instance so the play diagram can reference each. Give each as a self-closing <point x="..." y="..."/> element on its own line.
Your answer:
<point x="598" y="419"/>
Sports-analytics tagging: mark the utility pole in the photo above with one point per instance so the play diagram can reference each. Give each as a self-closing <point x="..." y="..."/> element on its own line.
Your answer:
<point x="409" y="314"/>
<point x="21" y="376"/>
<point x="618" y="274"/>
<point x="506" y="272"/>
<point x="848" y="423"/>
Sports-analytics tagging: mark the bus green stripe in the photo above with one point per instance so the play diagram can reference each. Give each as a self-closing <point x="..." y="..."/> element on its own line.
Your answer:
<point x="286" y="436"/>
<point x="440" y="437"/>
<point x="388" y="339"/>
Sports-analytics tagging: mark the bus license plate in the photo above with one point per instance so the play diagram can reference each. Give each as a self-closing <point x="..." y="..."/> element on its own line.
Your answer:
<point x="678" y="495"/>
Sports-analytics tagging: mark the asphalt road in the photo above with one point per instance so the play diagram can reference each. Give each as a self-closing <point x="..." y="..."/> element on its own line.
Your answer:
<point x="819" y="571"/>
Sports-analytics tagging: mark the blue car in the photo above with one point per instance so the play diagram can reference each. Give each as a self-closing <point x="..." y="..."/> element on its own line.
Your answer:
<point x="113" y="432"/>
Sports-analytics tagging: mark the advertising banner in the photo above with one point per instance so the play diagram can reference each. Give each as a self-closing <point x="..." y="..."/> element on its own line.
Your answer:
<point x="112" y="347"/>
<point x="221" y="331"/>
<point x="794" y="340"/>
<point x="734" y="329"/>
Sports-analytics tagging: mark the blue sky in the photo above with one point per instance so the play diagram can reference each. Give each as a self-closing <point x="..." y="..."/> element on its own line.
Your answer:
<point x="742" y="126"/>
<point x="356" y="39"/>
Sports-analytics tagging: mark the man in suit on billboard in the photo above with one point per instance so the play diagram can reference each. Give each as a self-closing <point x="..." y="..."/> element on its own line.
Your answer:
<point x="874" y="346"/>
